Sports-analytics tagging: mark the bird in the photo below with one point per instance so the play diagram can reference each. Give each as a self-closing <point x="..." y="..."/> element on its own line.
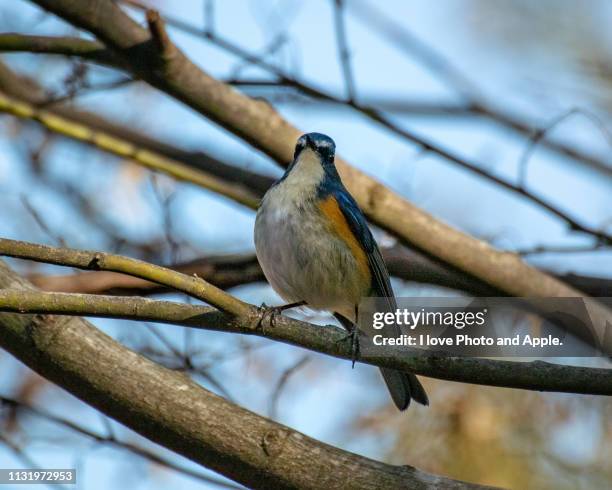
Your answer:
<point x="316" y="249"/>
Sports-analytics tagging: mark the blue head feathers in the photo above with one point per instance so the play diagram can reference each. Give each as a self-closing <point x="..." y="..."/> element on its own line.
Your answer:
<point x="321" y="144"/>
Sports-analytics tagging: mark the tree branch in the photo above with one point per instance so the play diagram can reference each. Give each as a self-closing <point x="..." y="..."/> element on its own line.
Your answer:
<point x="164" y="49"/>
<point x="405" y="264"/>
<point x="381" y="119"/>
<point x="172" y="410"/>
<point x="536" y="375"/>
<point x="125" y="149"/>
<point x="68" y="46"/>
<point x="223" y="271"/>
<point x="27" y="90"/>
<point x="402" y="38"/>
<point x="193" y="286"/>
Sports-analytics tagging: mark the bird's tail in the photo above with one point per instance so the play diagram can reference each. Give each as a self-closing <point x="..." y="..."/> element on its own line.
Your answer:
<point x="404" y="387"/>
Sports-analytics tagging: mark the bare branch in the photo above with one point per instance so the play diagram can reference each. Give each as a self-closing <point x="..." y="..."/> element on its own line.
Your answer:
<point x="224" y="272"/>
<point x="405" y="40"/>
<point x="125" y="149"/>
<point x="540" y="135"/>
<point x="68" y="46"/>
<point x="234" y="270"/>
<point x="27" y="90"/>
<point x="282" y="382"/>
<point x="159" y="34"/>
<point x="193" y="286"/>
<point x="421" y="141"/>
<point x="374" y="115"/>
<point x="343" y="49"/>
<point x="536" y="375"/>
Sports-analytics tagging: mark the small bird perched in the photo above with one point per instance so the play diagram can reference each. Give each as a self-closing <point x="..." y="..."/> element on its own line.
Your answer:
<point x="315" y="248"/>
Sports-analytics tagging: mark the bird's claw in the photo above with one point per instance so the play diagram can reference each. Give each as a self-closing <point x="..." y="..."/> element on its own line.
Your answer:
<point x="268" y="311"/>
<point x="354" y="338"/>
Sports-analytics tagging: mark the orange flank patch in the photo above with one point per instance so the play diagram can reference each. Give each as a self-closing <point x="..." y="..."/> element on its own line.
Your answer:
<point x="329" y="207"/>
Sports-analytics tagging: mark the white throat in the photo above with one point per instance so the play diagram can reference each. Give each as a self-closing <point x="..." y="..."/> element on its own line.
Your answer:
<point x="307" y="171"/>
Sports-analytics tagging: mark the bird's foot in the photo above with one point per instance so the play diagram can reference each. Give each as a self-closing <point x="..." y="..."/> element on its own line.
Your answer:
<point x="268" y="312"/>
<point x="274" y="311"/>
<point x="353" y="336"/>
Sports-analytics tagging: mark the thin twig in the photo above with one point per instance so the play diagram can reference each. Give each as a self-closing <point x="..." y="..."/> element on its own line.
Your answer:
<point x="282" y="382"/>
<point x="540" y="135"/>
<point x="343" y="49"/>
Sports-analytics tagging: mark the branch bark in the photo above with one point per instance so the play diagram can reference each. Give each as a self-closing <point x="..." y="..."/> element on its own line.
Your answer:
<point x="170" y="409"/>
<point x="536" y="375"/>
<point x="238" y="317"/>
<point x="193" y="286"/>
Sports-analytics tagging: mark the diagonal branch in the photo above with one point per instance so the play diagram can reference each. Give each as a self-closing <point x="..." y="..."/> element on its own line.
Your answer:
<point x="125" y="149"/>
<point x="381" y="119"/>
<point x="27" y="90"/>
<point x="402" y="38"/>
<point x="408" y="265"/>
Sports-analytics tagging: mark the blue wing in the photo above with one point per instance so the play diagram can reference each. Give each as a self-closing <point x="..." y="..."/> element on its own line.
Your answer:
<point x="402" y="386"/>
<point x="381" y="285"/>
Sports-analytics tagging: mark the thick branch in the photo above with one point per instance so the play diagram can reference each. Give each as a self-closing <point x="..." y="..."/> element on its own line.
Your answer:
<point x="172" y="410"/>
<point x="537" y="375"/>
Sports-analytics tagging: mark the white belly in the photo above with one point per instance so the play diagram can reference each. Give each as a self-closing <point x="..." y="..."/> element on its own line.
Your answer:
<point x="303" y="260"/>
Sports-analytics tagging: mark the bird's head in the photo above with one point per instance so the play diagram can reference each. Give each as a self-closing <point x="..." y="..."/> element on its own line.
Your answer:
<point x="317" y="145"/>
<point x="313" y="161"/>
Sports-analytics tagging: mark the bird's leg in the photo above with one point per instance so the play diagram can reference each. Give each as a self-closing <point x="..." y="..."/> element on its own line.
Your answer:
<point x="273" y="311"/>
<point x="352" y="335"/>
